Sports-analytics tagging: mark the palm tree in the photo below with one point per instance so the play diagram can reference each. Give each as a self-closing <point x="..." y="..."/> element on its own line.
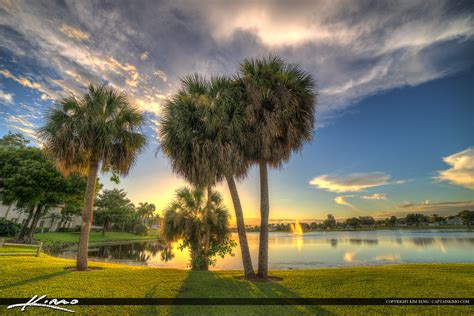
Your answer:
<point x="145" y="210"/>
<point x="100" y="130"/>
<point x="201" y="132"/>
<point x="279" y="103"/>
<point x="190" y="219"/>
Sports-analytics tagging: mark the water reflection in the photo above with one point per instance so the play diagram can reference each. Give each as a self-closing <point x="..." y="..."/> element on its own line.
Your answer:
<point x="312" y="250"/>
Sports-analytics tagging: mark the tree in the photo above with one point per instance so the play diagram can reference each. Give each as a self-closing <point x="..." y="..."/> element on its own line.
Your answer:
<point x="202" y="132"/>
<point x="145" y="210"/>
<point x="100" y="130"/>
<point x="112" y="207"/>
<point x="13" y="140"/>
<point x="353" y="222"/>
<point x="392" y="221"/>
<point x="188" y="217"/>
<point x="416" y="219"/>
<point x="279" y="100"/>
<point x="467" y="217"/>
<point x="32" y="183"/>
<point x="330" y="222"/>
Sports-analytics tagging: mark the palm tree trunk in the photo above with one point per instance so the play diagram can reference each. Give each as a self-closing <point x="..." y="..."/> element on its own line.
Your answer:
<point x="207" y="237"/>
<point x="87" y="216"/>
<point x="264" y="215"/>
<point x="239" y="216"/>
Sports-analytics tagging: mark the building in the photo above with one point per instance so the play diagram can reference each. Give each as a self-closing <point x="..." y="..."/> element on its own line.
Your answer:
<point x="50" y="222"/>
<point x="454" y="221"/>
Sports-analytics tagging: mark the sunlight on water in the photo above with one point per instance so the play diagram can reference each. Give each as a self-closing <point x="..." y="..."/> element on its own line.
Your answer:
<point x="349" y="256"/>
<point x="297" y="231"/>
<point x="298" y="250"/>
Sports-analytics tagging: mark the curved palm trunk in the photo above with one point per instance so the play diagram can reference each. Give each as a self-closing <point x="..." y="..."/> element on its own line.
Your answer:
<point x="87" y="215"/>
<point x="264" y="215"/>
<point x="239" y="216"/>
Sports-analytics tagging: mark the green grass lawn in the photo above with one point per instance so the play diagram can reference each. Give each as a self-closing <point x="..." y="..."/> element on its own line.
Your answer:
<point x="27" y="276"/>
<point x="16" y="249"/>
<point x="94" y="237"/>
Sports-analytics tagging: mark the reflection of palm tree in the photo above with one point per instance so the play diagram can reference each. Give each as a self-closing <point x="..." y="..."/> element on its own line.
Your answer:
<point x="101" y="129"/>
<point x="167" y="253"/>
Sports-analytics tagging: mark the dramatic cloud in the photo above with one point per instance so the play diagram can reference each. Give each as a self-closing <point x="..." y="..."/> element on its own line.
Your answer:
<point x="6" y="97"/>
<point x="375" y="196"/>
<point x="74" y="32"/>
<point x="342" y="200"/>
<point x="461" y="172"/>
<point x="351" y="183"/>
<point x="144" y="49"/>
<point x="22" y="124"/>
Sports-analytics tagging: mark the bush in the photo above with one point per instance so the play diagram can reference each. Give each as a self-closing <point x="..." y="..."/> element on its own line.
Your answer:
<point x="9" y="228"/>
<point x="141" y="230"/>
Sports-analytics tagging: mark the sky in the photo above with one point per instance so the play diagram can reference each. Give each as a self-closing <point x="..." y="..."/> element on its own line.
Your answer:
<point x="395" y="81"/>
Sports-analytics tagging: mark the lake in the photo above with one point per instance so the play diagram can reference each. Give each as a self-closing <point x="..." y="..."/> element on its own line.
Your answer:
<point x="313" y="250"/>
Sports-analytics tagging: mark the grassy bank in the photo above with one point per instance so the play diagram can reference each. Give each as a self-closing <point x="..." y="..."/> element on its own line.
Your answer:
<point x="27" y="276"/>
<point x="94" y="237"/>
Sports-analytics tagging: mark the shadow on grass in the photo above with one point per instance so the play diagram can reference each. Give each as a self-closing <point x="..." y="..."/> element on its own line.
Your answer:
<point x="35" y="279"/>
<point x="206" y="284"/>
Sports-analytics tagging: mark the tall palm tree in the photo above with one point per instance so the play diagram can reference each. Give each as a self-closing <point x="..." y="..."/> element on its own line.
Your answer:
<point x="188" y="218"/>
<point x="280" y="104"/>
<point x="100" y="130"/>
<point x="201" y="132"/>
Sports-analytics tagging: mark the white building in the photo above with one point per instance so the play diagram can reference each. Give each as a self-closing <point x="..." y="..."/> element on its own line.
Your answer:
<point x="48" y="222"/>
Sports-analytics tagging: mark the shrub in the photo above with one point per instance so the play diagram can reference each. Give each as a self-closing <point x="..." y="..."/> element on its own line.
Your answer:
<point x="9" y="228"/>
<point x="141" y="230"/>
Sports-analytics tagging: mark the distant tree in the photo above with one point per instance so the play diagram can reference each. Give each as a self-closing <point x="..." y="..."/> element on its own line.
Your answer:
<point x="392" y="221"/>
<point x="367" y="220"/>
<point x="467" y="217"/>
<point x="112" y="207"/>
<point x="13" y="140"/>
<point x="353" y="222"/>
<point x="313" y="226"/>
<point x="145" y="210"/>
<point x="416" y="219"/>
<point x="330" y="222"/>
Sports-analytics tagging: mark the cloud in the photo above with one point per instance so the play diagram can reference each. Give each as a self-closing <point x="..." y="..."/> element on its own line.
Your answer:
<point x="74" y="32"/>
<point x="461" y="172"/>
<point x="352" y="53"/>
<point x="28" y="83"/>
<point x="342" y="200"/>
<point x="6" y="97"/>
<point x="22" y="124"/>
<point x="351" y="183"/>
<point x="145" y="56"/>
<point x="442" y="208"/>
<point x="375" y="196"/>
